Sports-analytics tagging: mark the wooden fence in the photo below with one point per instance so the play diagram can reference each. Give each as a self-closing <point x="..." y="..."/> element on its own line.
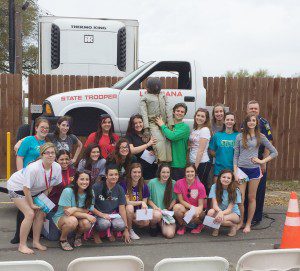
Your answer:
<point x="278" y="98"/>
<point x="10" y="115"/>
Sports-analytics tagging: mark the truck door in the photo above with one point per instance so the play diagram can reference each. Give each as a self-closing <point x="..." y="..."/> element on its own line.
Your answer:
<point x="176" y="79"/>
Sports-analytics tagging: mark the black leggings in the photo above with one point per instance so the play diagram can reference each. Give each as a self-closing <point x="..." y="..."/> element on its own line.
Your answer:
<point x="203" y="172"/>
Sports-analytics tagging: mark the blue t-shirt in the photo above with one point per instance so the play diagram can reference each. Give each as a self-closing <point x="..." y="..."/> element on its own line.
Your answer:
<point x="30" y="149"/>
<point x="67" y="199"/>
<point x="225" y="202"/>
<point x="223" y="145"/>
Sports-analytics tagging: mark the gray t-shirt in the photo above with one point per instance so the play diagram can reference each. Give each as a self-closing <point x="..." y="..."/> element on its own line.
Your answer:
<point x="110" y="204"/>
<point x="63" y="144"/>
<point x="98" y="168"/>
<point x="242" y="156"/>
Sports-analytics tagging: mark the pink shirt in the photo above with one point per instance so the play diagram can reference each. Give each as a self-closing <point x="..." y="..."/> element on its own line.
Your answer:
<point x="190" y="194"/>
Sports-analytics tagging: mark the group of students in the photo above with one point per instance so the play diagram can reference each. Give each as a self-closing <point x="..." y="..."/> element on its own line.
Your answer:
<point x="98" y="196"/>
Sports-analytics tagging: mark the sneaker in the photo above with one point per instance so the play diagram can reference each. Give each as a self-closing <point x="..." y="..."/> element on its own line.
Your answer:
<point x="153" y="231"/>
<point x="133" y="235"/>
<point x="198" y="229"/>
<point x="181" y="230"/>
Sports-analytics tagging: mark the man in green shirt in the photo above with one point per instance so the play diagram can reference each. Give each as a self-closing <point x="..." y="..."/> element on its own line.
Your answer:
<point x="179" y="137"/>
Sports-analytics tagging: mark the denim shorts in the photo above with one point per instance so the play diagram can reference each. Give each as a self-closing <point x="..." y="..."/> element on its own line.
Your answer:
<point x="252" y="173"/>
<point x="16" y="194"/>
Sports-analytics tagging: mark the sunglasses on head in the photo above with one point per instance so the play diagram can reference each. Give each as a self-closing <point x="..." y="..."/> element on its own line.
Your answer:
<point x="189" y="193"/>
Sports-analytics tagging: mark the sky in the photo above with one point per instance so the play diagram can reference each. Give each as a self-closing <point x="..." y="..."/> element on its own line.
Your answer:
<point x="221" y="35"/>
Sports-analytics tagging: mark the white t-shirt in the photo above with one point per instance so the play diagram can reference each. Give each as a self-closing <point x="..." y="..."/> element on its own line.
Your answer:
<point x="194" y="139"/>
<point x="33" y="177"/>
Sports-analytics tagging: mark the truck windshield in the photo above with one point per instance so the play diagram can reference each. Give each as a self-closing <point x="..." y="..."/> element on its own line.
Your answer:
<point x="125" y="81"/>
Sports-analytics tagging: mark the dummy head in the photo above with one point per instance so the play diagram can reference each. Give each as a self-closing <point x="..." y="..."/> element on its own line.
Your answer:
<point x="153" y="85"/>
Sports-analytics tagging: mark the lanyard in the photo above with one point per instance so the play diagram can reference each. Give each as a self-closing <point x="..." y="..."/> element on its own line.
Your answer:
<point x="48" y="182"/>
<point x="66" y="180"/>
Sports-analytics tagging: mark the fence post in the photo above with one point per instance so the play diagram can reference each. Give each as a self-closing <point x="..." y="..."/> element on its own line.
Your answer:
<point x="8" y="150"/>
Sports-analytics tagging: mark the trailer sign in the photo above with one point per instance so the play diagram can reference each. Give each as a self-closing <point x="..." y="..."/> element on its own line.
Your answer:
<point x="88" y="38"/>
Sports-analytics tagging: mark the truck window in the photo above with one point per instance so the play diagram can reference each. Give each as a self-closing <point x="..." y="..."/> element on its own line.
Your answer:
<point x="126" y="80"/>
<point x="178" y="69"/>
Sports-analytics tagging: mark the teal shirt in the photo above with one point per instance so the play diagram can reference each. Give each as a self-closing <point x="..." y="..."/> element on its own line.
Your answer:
<point x="223" y="145"/>
<point x="67" y="199"/>
<point x="157" y="191"/>
<point x="225" y="201"/>
<point x="30" y="149"/>
<point x="179" y="137"/>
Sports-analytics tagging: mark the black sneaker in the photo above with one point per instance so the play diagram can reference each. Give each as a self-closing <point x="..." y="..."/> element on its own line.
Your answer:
<point x="255" y="223"/>
<point x="15" y="240"/>
<point x="153" y="231"/>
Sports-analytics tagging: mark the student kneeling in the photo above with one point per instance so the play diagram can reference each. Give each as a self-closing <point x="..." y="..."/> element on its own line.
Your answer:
<point x="191" y="193"/>
<point x="74" y="206"/>
<point x="109" y="202"/>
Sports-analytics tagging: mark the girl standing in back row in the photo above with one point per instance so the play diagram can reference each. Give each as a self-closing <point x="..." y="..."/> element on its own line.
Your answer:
<point x="246" y="159"/>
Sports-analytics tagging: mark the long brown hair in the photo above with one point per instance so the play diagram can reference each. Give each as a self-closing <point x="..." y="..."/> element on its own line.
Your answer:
<point x="169" y="187"/>
<point x="88" y="190"/>
<point x="99" y="132"/>
<point x="231" y="189"/>
<point x="246" y="131"/>
<point x="59" y="122"/>
<point x="213" y="120"/>
<point x="129" y="183"/>
<point x="234" y="129"/>
<point x="207" y="121"/>
<point x="116" y="157"/>
<point x="130" y="128"/>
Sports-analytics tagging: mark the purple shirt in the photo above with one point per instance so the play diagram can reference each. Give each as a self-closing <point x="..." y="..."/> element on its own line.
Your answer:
<point x="135" y="193"/>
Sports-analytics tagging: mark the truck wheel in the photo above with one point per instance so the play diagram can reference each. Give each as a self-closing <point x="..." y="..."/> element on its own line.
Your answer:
<point x="23" y="131"/>
<point x="85" y="120"/>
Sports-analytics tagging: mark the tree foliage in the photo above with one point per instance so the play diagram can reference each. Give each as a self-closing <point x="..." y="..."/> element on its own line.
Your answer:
<point x="244" y="73"/>
<point x="29" y="33"/>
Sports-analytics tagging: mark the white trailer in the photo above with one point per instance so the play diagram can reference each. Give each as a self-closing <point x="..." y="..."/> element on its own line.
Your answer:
<point x="87" y="46"/>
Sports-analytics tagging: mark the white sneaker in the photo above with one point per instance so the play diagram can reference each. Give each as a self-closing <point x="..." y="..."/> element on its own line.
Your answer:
<point x="133" y="235"/>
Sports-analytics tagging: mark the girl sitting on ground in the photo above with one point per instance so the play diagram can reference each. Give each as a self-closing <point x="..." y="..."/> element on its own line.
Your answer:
<point x="225" y="199"/>
<point x="74" y="206"/>
<point x="162" y="197"/>
<point x="110" y="206"/>
<point x="93" y="162"/>
<point x="137" y="194"/>
<point x="191" y="194"/>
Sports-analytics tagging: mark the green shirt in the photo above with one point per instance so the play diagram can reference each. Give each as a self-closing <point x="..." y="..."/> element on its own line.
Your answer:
<point x="157" y="192"/>
<point x="179" y="137"/>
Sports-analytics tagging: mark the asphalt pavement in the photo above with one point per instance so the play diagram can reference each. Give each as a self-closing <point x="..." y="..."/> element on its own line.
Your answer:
<point x="149" y="249"/>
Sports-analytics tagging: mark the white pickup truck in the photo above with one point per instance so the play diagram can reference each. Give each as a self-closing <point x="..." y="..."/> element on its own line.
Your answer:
<point x="122" y="100"/>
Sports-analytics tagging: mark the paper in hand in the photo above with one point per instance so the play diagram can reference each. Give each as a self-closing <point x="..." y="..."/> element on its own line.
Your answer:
<point x="148" y="157"/>
<point x="45" y="204"/>
<point x="209" y="221"/>
<point x="144" y="214"/>
<point x="189" y="215"/>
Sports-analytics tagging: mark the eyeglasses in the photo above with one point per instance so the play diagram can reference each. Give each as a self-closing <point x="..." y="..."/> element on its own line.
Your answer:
<point x="189" y="193"/>
<point x="49" y="153"/>
<point x="124" y="148"/>
<point x="44" y="128"/>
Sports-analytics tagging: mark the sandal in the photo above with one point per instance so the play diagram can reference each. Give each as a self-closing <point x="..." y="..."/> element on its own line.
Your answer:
<point x="65" y="245"/>
<point x="78" y="241"/>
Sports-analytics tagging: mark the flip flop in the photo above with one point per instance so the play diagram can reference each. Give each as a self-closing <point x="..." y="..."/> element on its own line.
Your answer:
<point x="65" y="245"/>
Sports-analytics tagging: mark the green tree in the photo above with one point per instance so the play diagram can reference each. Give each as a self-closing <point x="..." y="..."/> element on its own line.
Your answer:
<point x="29" y="33"/>
<point x="242" y="73"/>
<point x="261" y="73"/>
